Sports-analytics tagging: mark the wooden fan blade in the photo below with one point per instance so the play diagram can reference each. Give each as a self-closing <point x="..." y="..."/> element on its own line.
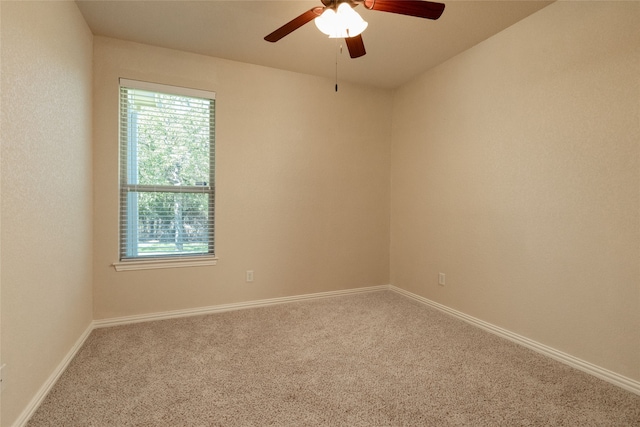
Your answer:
<point x="355" y="46"/>
<point x="419" y="8"/>
<point x="294" y="24"/>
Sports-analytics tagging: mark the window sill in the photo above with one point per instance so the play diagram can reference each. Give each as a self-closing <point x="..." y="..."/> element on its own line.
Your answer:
<point x="154" y="263"/>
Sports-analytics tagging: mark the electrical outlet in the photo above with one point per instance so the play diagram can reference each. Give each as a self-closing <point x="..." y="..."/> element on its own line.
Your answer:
<point x="249" y="277"/>
<point x="3" y="376"/>
<point x="441" y="279"/>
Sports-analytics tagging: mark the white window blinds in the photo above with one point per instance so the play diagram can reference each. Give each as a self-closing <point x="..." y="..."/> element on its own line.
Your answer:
<point x="167" y="189"/>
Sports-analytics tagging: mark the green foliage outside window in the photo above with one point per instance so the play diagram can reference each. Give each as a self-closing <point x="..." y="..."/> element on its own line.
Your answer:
<point x="169" y="172"/>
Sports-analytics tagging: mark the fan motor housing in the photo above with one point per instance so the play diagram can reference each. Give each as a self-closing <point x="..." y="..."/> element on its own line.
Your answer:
<point x="333" y="4"/>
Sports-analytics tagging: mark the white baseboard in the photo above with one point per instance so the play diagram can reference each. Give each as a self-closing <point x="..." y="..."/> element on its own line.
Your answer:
<point x="53" y="378"/>
<point x="597" y="371"/>
<point x="604" y="374"/>
<point x="228" y="307"/>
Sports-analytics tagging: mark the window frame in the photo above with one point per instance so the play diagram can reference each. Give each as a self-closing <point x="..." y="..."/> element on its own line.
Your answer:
<point x="145" y="262"/>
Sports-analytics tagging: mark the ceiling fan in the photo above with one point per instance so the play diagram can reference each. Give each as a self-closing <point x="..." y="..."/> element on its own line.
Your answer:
<point x="337" y="19"/>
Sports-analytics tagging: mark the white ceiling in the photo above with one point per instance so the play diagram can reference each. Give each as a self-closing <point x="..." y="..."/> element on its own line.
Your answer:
<point x="398" y="47"/>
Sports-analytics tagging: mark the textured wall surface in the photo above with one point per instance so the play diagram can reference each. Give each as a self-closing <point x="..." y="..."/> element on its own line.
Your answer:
<point x="302" y="183"/>
<point x="46" y="192"/>
<point x="515" y="171"/>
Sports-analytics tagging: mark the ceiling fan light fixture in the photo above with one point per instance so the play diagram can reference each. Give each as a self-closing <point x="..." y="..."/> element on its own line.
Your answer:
<point x="326" y="22"/>
<point x="343" y="23"/>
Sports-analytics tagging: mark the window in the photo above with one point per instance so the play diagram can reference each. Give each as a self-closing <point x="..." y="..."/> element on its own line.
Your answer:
<point x="166" y="174"/>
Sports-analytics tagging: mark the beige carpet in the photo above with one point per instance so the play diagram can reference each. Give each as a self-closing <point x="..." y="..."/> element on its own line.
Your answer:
<point x="375" y="359"/>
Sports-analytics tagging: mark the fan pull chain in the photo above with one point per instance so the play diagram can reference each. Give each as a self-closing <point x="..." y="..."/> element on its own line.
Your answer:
<point x="339" y="49"/>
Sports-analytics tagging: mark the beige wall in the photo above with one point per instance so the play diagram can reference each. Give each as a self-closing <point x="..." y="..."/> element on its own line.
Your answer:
<point x="46" y="192"/>
<point x="515" y="171"/>
<point x="302" y="194"/>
